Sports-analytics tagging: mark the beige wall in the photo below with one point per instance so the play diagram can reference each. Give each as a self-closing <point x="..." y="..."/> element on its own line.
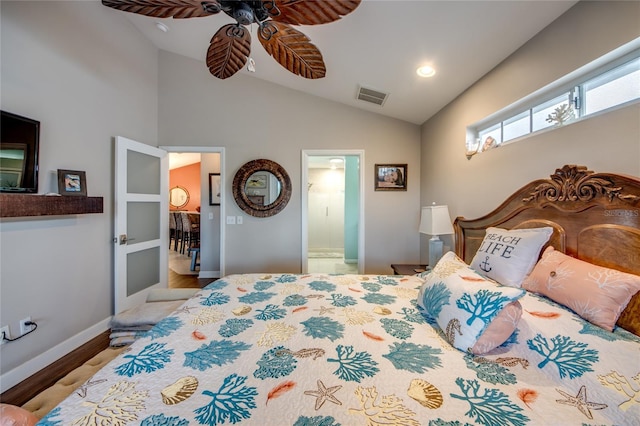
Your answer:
<point x="87" y="75"/>
<point x="607" y="143"/>
<point x="254" y="119"/>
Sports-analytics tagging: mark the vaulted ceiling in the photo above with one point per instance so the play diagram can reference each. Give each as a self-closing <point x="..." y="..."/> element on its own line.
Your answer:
<point x="380" y="45"/>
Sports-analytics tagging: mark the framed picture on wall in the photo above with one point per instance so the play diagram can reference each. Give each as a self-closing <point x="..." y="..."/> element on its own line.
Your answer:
<point x="72" y="182"/>
<point x="391" y="177"/>
<point x="257" y="180"/>
<point x="214" y="189"/>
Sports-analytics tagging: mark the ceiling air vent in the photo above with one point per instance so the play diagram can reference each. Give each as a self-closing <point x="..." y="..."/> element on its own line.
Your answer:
<point x="372" y="96"/>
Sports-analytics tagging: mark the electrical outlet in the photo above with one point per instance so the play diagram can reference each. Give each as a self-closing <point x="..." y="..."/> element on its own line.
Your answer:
<point x="24" y="328"/>
<point x="4" y="330"/>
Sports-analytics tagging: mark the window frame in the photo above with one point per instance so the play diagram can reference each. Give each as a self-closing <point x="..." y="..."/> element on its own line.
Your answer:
<point x="571" y="85"/>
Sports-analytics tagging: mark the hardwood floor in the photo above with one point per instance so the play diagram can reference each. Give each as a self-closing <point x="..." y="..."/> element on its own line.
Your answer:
<point x="30" y="387"/>
<point x="187" y="281"/>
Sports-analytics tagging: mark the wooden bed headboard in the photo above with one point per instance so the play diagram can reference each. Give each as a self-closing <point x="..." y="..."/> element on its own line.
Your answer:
<point x="595" y="217"/>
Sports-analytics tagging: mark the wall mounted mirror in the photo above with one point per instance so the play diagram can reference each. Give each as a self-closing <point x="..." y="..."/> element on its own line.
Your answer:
<point x="178" y="197"/>
<point x="261" y="188"/>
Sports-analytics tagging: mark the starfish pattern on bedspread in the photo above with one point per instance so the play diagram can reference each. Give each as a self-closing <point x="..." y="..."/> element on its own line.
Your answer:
<point x="580" y="402"/>
<point x="324" y="394"/>
<point x="82" y="390"/>
<point x="324" y="310"/>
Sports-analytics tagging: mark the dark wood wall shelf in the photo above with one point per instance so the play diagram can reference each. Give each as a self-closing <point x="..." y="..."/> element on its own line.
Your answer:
<point x="23" y="205"/>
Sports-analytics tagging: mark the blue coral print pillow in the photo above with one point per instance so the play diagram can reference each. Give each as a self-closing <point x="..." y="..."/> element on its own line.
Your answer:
<point x="508" y="256"/>
<point x="476" y="314"/>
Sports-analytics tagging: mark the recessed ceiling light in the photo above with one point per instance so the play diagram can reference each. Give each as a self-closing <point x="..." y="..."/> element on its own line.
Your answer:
<point x="336" y="160"/>
<point x="162" y="27"/>
<point x="426" y="71"/>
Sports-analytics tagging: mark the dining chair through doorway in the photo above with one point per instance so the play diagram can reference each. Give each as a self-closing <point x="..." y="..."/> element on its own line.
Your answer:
<point x="190" y="232"/>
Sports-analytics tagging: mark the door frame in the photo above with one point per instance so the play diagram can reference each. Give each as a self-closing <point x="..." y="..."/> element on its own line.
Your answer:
<point x="304" y="197"/>
<point x="209" y="150"/>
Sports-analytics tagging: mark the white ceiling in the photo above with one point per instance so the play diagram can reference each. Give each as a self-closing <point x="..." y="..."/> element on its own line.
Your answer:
<point x="380" y="45"/>
<point x="181" y="159"/>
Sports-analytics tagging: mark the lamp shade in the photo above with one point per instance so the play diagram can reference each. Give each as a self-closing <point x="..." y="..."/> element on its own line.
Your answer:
<point x="435" y="220"/>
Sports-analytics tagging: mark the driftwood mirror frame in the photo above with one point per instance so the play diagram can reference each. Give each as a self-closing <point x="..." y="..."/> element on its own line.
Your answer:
<point x="240" y="183"/>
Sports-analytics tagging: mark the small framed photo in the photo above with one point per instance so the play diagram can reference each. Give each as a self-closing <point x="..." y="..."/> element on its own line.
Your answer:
<point x="214" y="189"/>
<point x="72" y="182"/>
<point x="257" y="180"/>
<point x="391" y="177"/>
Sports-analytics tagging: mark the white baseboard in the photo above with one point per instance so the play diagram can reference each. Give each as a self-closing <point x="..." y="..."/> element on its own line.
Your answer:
<point x="32" y="366"/>
<point x="209" y="274"/>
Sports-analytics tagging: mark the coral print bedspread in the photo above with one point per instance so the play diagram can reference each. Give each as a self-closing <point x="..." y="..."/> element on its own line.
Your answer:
<point x="356" y="350"/>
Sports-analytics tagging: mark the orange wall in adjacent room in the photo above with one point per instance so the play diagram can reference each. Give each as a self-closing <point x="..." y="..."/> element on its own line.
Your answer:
<point x="187" y="177"/>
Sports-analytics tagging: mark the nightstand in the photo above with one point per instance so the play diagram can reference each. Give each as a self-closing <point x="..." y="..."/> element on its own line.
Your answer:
<point x="399" y="269"/>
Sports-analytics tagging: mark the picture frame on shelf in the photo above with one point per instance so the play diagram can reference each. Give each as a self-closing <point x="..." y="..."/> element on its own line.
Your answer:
<point x="72" y="182"/>
<point x="390" y="177"/>
<point x="214" y="189"/>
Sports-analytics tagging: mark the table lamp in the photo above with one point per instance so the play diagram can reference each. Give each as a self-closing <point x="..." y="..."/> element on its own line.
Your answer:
<point x="435" y="221"/>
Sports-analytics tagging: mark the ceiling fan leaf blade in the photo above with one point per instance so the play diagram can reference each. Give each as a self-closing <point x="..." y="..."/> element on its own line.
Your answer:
<point x="310" y="12"/>
<point x="178" y="9"/>
<point x="228" y="51"/>
<point x="292" y="49"/>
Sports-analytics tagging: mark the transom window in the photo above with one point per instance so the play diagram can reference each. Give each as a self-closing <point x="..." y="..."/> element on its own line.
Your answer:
<point x="613" y="85"/>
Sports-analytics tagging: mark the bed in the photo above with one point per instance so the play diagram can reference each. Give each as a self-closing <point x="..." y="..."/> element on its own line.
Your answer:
<point x="317" y="349"/>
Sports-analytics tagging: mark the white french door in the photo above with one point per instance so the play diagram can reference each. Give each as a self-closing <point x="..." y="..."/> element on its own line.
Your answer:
<point x="141" y="217"/>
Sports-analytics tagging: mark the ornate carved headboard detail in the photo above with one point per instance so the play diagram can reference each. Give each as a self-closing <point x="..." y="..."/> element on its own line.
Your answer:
<point x="595" y="217"/>
<point x="576" y="183"/>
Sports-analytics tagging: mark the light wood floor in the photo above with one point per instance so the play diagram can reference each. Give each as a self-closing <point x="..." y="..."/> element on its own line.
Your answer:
<point x="187" y="281"/>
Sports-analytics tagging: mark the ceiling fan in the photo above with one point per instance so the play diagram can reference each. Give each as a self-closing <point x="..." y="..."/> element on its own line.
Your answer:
<point x="230" y="47"/>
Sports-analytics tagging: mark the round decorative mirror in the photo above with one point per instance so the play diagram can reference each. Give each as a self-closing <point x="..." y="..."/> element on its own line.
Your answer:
<point x="261" y="188"/>
<point x="178" y="197"/>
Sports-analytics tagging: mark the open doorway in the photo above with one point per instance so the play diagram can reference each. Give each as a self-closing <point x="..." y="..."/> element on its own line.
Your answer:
<point x="196" y="249"/>
<point x="332" y="212"/>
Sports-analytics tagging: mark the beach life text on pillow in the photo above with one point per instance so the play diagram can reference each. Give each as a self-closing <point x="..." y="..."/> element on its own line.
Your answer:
<point x="508" y="256"/>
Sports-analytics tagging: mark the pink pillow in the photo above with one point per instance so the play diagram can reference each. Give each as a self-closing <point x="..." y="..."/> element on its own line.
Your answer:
<point x="11" y="415"/>
<point x="595" y="293"/>
<point x="499" y="330"/>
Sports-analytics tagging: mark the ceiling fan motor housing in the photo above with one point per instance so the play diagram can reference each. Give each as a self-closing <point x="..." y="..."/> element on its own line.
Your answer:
<point x="245" y="12"/>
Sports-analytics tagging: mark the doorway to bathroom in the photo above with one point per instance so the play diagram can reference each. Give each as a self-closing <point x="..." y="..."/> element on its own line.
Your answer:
<point x="332" y="212"/>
